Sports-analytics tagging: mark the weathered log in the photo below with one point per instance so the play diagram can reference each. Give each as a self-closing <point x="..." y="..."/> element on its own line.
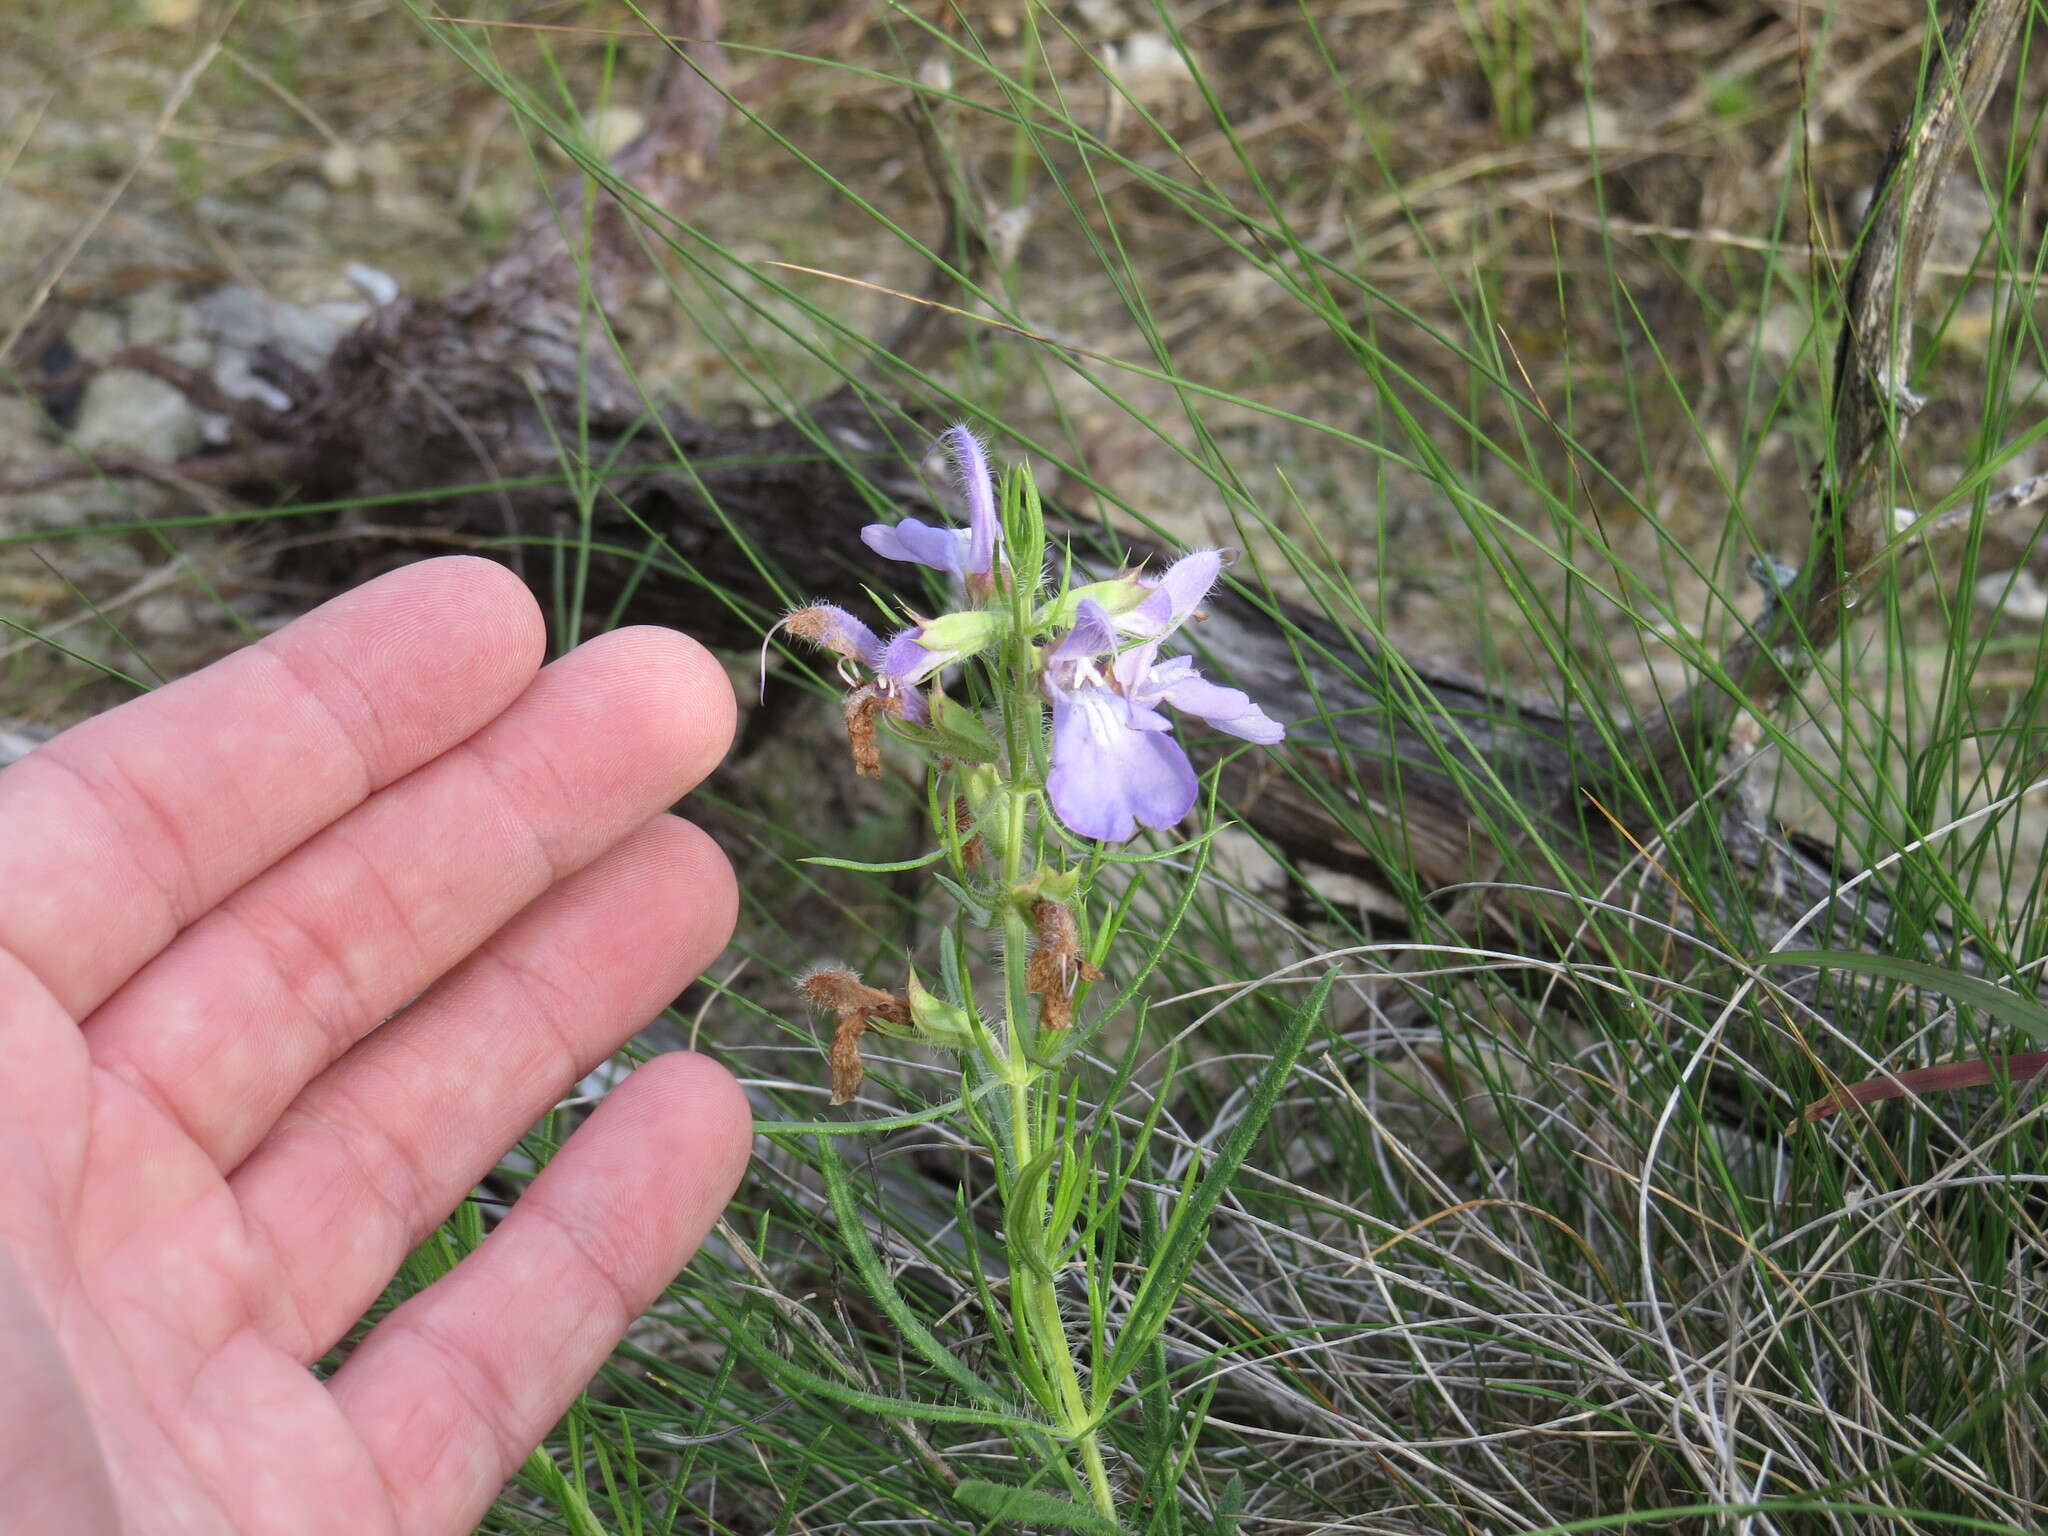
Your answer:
<point x="713" y="528"/>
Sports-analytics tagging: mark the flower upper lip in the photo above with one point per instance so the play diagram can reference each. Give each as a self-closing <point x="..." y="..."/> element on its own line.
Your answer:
<point x="968" y="553"/>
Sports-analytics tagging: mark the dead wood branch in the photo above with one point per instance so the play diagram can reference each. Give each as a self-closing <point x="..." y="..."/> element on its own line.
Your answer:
<point x="1873" y="360"/>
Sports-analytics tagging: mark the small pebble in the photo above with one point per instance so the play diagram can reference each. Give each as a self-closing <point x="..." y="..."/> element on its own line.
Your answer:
<point x="2016" y="595"/>
<point x="135" y="415"/>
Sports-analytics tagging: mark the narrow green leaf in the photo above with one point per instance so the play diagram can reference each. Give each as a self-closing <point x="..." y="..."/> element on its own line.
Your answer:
<point x="976" y="911"/>
<point x="877" y="869"/>
<point x="853" y="1232"/>
<point x="2002" y="1003"/>
<point x="1029" y="1506"/>
<point x="883" y="1123"/>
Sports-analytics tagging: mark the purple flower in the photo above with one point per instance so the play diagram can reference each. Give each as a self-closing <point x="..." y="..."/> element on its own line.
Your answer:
<point x="1115" y="763"/>
<point x="898" y="666"/>
<point x="906" y="661"/>
<point x="1073" y="658"/>
<point x="1176" y="594"/>
<point x="968" y="553"/>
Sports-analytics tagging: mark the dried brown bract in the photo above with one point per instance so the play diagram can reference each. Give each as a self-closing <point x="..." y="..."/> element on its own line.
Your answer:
<point x="842" y="991"/>
<point x="847" y="1071"/>
<point x="856" y="1007"/>
<point x="862" y="706"/>
<point x="1057" y="964"/>
<point x="973" y="852"/>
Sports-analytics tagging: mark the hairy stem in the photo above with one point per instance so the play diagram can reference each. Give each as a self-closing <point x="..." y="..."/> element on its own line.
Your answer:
<point x="1034" y="1247"/>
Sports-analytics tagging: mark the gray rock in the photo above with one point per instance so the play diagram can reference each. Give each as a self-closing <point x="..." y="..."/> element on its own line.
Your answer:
<point x="128" y="414"/>
<point x="305" y="199"/>
<point x="375" y="284"/>
<point x="157" y="317"/>
<point x="1962" y="223"/>
<point x="2016" y="595"/>
<point x="18" y="738"/>
<point x="114" y="560"/>
<point x="1579" y="125"/>
<point x="83" y="502"/>
<point x="238" y="316"/>
<point x="166" y="616"/>
<point x="26" y="444"/>
<point x="96" y="335"/>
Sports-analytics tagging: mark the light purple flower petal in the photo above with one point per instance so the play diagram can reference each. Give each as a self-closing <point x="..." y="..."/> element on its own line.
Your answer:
<point x="835" y="630"/>
<point x="1115" y="768"/>
<point x="1227" y="709"/>
<point x="1091" y="636"/>
<point x="1177" y="594"/>
<point x="978" y="487"/>
<point x="1137" y="668"/>
<point x="906" y="663"/>
<point x="909" y="704"/>
<point x="918" y="543"/>
<point x="1148" y="682"/>
<point x="961" y="552"/>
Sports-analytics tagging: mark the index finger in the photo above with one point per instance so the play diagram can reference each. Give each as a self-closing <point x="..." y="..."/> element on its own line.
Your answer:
<point x="118" y="833"/>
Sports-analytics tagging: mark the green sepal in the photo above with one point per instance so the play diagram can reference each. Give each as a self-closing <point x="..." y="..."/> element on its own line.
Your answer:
<point x="1118" y="596"/>
<point x="938" y="1022"/>
<point x="972" y="740"/>
<point x="955" y="731"/>
<point x="963" y="633"/>
<point x="1060" y="885"/>
<point x="988" y="803"/>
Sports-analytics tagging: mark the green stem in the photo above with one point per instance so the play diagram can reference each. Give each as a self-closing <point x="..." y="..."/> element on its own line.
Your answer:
<point x="1034" y="1302"/>
<point x="1035" y="1310"/>
<point x="541" y="1467"/>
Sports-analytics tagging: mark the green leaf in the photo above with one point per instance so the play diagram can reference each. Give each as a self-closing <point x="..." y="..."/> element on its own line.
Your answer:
<point x="885" y="1123"/>
<point x="853" y="1232"/>
<point x="788" y="1375"/>
<point x="965" y="729"/>
<point x="1230" y="1506"/>
<point x="972" y="907"/>
<point x="877" y="869"/>
<point x="1029" y="1506"/>
<point x="2003" y="1004"/>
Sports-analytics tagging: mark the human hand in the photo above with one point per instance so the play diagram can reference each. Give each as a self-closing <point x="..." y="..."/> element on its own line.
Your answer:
<point x="290" y="952"/>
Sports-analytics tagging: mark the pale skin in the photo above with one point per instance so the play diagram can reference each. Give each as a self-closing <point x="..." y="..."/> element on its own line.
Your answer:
<point x="291" y="951"/>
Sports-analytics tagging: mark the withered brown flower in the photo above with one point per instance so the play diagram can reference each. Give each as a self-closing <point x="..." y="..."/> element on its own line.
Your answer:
<point x="856" y="1008"/>
<point x="1056" y="965"/>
